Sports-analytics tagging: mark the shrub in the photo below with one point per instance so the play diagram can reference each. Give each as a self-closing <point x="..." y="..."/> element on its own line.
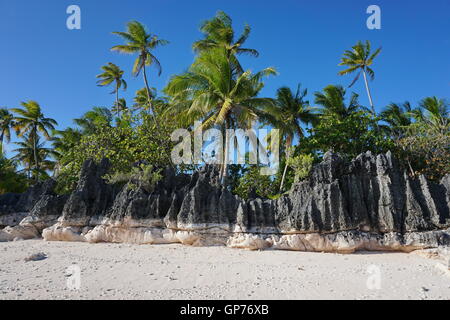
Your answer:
<point x="143" y="176"/>
<point x="302" y="166"/>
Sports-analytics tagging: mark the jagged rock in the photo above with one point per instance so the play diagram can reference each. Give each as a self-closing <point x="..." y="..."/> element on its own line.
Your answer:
<point x="15" y="207"/>
<point x="92" y="197"/>
<point x="368" y="203"/>
<point x="43" y="208"/>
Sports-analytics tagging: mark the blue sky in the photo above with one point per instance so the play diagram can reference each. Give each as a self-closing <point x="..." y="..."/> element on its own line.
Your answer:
<point x="44" y="61"/>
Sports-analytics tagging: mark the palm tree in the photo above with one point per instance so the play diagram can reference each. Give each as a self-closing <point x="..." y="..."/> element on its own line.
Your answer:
<point x="121" y="106"/>
<point x="93" y="119"/>
<point x="434" y="115"/>
<point x="359" y="59"/>
<point x="112" y="74"/>
<point x="65" y="140"/>
<point x="287" y="115"/>
<point x="6" y="124"/>
<point x="218" y="32"/>
<point x="28" y="150"/>
<point x="213" y="91"/>
<point x="141" y="42"/>
<point x="31" y="121"/>
<point x="332" y="102"/>
<point x="398" y="117"/>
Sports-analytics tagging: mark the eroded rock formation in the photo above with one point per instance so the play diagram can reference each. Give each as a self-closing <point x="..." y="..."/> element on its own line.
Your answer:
<point x="369" y="203"/>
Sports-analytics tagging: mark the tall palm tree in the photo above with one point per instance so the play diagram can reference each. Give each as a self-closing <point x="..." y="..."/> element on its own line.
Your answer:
<point x="332" y="102"/>
<point x="214" y="92"/>
<point x="141" y="42"/>
<point x="434" y="114"/>
<point x="31" y="121"/>
<point x="218" y="32"/>
<point x="359" y="60"/>
<point x="398" y="117"/>
<point x="6" y="124"/>
<point x="288" y="114"/>
<point x="112" y="74"/>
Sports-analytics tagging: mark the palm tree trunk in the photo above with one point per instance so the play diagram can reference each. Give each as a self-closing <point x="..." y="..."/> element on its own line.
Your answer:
<point x="166" y="143"/>
<point x="117" y="100"/>
<point x="225" y="157"/>
<point x="36" y="162"/>
<point x="368" y="91"/>
<point x="288" y="155"/>
<point x="148" y="92"/>
<point x="1" y="142"/>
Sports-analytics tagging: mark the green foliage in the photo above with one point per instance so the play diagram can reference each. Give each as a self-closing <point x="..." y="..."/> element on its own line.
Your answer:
<point x="7" y="122"/>
<point x="252" y="184"/>
<point x="123" y="145"/>
<point x="425" y="152"/>
<point x="302" y="165"/>
<point x="10" y="180"/>
<point x="219" y="33"/>
<point x="350" y="136"/>
<point x="143" y="176"/>
<point x="29" y="123"/>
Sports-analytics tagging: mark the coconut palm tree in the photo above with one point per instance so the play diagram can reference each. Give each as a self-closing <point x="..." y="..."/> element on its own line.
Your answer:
<point x="218" y="32"/>
<point x="398" y="117"/>
<point x="141" y="99"/>
<point x="28" y="150"/>
<point x="6" y="124"/>
<point x="214" y="92"/>
<point x="434" y="115"/>
<point x="143" y="43"/>
<point x="121" y="106"/>
<point x="112" y="74"/>
<point x="288" y="114"/>
<point x="31" y="121"/>
<point x="359" y="60"/>
<point x="332" y="102"/>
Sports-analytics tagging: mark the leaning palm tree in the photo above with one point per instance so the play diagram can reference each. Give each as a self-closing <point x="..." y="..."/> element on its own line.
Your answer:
<point x="398" y="118"/>
<point x="6" y="124"/>
<point x="218" y="32"/>
<point x="332" y="102"/>
<point x="141" y="42"/>
<point x="31" y="121"/>
<point x="112" y="74"/>
<point x="359" y="60"/>
<point x="288" y="114"/>
<point x="214" y="92"/>
<point x="434" y="115"/>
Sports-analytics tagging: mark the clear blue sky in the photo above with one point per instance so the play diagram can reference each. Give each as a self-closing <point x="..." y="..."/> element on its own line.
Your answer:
<point x="41" y="59"/>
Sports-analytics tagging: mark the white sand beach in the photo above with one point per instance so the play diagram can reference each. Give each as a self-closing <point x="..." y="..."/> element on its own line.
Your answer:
<point x="121" y="271"/>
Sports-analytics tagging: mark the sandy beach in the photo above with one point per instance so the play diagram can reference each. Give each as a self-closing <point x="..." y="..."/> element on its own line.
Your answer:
<point x="121" y="271"/>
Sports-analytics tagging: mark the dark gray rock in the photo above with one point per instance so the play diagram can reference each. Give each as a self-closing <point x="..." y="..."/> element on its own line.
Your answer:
<point x="370" y="195"/>
<point x="15" y="207"/>
<point x="92" y="197"/>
